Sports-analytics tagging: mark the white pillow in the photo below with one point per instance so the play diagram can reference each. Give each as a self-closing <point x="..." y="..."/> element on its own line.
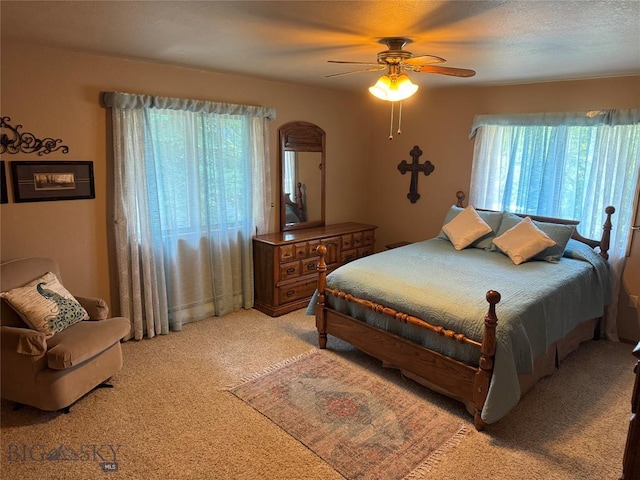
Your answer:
<point x="466" y="228"/>
<point x="523" y="241"/>
<point x="45" y="305"/>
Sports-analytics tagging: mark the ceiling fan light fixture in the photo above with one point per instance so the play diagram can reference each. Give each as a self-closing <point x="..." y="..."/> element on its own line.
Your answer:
<point x="393" y="87"/>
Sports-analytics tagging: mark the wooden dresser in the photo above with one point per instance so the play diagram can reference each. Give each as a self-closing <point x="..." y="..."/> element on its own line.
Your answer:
<point x="285" y="263"/>
<point x="631" y="460"/>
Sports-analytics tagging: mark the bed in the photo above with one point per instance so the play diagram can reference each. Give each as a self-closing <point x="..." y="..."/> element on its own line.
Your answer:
<point x="422" y="308"/>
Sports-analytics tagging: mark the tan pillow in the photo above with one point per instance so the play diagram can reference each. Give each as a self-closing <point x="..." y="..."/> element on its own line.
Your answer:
<point x="523" y="241"/>
<point x="466" y="228"/>
<point x="45" y="305"/>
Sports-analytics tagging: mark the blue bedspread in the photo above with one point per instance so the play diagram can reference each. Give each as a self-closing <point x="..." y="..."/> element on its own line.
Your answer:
<point x="541" y="302"/>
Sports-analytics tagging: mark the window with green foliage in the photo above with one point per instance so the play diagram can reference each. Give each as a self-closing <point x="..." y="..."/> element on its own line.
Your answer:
<point x="191" y="188"/>
<point x="199" y="170"/>
<point x="559" y="167"/>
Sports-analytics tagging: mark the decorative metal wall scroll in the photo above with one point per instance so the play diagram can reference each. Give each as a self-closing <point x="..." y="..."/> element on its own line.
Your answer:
<point x="414" y="167"/>
<point x="14" y="141"/>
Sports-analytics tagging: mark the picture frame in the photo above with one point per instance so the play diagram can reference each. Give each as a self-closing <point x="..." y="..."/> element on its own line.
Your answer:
<point x="4" y="197"/>
<point x="36" y="181"/>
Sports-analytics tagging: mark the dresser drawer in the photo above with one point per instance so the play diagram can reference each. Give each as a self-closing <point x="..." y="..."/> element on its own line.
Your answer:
<point x="312" y="247"/>
<point x="289" y="270"/>
<point x="309" y="265"/>
<point x="296" y="291"/>
<point x="348" y="255"/>
<point x="300" y="250"/>
<point x="352" y="254"/>
<point x="286" y="253"/>
<point x="368" y="237"/>
<point x="358" y="238"/>
<point x="346" y="241"/>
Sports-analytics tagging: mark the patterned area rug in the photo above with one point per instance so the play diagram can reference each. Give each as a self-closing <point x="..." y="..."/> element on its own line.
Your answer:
<point x="362" y="425"/>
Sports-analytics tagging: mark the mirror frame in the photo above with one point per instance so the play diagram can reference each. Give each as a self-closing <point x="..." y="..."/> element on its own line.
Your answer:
<point x="301" y="136"/>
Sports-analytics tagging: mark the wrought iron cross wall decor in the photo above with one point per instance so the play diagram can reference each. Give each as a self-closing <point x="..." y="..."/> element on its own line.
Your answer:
<point x="415" y="168"/>
<point x="13" y="141"/>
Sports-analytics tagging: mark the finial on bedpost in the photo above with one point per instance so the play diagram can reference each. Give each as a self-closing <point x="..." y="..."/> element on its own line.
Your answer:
<point x="460" y="196"/>
<point x="488" y="352"/>
<point x="321" y="321"/>
<point x="489" y="335"/>
<point x="606" y="233"/>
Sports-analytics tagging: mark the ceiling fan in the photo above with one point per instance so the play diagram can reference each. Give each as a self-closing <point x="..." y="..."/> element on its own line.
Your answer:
<point x="395" y="85"/>
<point x="397" y="59"/>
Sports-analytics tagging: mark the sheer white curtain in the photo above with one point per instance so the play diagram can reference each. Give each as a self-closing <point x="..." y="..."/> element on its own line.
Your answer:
<point x="289" y="174"/>
<point x="192" y="186"/>
<point x="569" y="165"/>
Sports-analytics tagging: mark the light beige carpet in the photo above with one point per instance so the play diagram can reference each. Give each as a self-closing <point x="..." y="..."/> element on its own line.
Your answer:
<point x="170" y="415"/>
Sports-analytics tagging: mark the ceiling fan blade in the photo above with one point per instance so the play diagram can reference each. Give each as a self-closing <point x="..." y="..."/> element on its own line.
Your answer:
<point x="454" y="72"/>
<point x="380" y="67"/>
<point x="428" y="59"/>
<point x="354" y="63"/>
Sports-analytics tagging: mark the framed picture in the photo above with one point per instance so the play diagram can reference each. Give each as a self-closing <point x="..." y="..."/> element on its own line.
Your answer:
<point x="52" y="180"/>
<point x="4" y="198"/>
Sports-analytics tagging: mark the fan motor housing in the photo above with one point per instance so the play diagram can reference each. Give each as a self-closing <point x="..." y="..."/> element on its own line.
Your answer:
<point x="394" y="55"/>
<point x="391" y="57"/>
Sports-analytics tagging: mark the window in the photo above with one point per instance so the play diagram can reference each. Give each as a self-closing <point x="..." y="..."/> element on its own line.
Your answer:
<point x="191" y="187"/>
<point x="200" y="167"/>
<point x="559" y="165"/>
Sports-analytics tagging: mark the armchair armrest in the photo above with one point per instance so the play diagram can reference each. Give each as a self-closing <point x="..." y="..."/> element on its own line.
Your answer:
<point x="23" y="340"/>
<point x="97" y="308"/>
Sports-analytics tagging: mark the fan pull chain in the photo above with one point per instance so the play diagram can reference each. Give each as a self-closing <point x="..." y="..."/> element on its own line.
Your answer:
<point x="391" y="124"/>
<point x="399" y="120"/>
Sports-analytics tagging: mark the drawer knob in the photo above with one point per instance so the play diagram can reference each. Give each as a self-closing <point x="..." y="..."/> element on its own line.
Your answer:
<point x="311" y="266"/>
<point x="290" y="270"/>
<point x="290" y="293"/>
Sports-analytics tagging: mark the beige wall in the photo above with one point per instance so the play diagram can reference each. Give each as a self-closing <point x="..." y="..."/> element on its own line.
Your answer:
<point x="439" y="122"/>
<point x="57" y="94"/>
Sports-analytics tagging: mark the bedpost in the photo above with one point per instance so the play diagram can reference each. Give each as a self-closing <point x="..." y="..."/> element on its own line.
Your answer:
<point x="488" y="352"/>
<point x="606" y="233"/>
<point x="302" y="212"/>
<point x="460" y="198"/>
<point x="321" y="321"/>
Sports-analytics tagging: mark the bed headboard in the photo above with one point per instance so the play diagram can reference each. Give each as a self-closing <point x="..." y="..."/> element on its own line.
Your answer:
<point x="602" y="243"/>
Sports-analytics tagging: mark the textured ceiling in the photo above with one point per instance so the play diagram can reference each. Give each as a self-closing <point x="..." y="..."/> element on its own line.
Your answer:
<point x="503" y="41"/>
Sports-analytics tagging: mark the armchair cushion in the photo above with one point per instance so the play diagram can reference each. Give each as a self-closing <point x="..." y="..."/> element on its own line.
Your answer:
<point x="83" y="341"/>
<point x="45" y="305"/>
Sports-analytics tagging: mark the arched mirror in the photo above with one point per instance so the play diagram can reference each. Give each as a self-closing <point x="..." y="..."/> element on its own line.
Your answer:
<point x="301" y="179"/>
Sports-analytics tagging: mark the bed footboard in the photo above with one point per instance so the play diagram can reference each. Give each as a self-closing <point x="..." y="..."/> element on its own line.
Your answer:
<point x="462" y="382"/>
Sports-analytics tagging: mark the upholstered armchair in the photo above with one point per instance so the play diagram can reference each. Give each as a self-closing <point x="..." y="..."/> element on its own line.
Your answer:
<point x="74" y="349"/>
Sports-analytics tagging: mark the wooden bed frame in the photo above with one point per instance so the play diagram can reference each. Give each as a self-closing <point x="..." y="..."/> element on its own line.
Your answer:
<point x="443" y="374"/>
<point x="297" y="205"/>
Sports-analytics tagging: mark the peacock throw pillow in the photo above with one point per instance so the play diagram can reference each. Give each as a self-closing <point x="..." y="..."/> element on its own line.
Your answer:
<point x="45" y="305"/>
